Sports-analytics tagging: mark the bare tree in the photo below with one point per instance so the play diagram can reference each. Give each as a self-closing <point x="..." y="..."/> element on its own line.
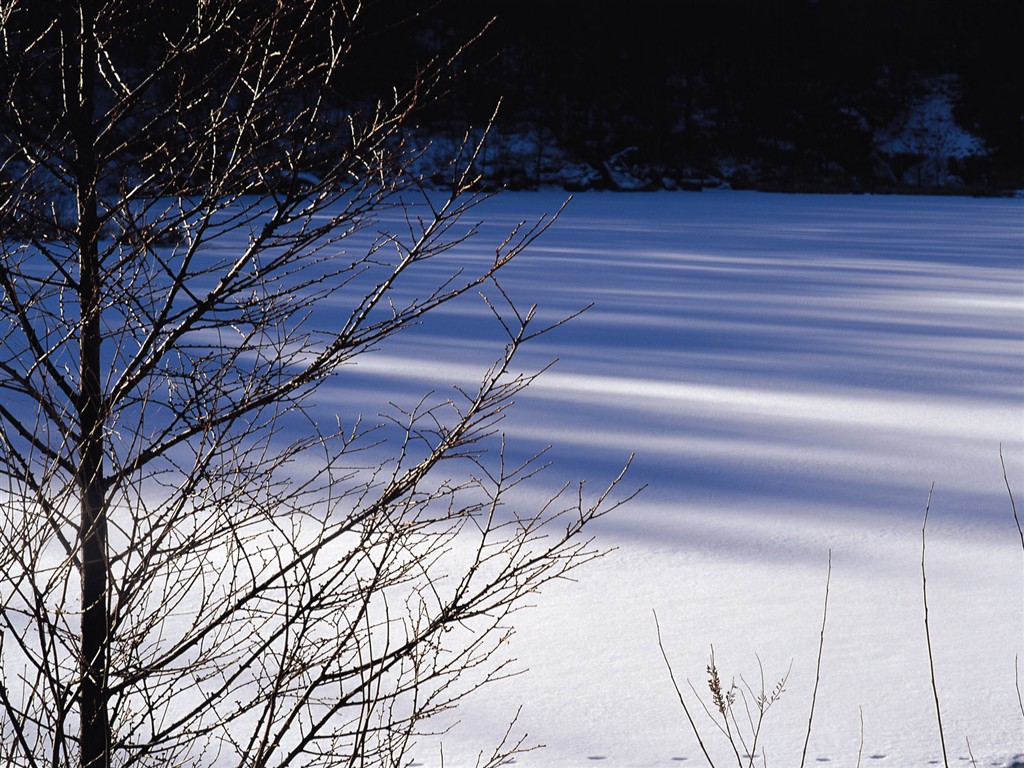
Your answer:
<point x="192" y="571"/>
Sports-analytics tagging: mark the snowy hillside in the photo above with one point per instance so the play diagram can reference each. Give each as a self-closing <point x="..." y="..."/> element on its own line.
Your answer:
<point x="922" y="147"/>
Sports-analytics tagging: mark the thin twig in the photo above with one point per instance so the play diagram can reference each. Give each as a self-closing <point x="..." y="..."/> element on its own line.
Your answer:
<point x="817" y="670"/>
<point x="679" y="693"/>
<point x="969" y="752"/>
<point x="927" y="632"/>
<point x="860" y="747"/>
<point x="1013" y="506"/>
<point x="1016" y="680"/>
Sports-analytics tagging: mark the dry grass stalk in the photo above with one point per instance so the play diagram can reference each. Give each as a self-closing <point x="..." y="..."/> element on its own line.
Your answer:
<point x="817" y="668"/>
<point x="744" y="741"/>
<point x="722" y="712"/>
<point x="927" y="631"/>
<point x="970" y="752"/>
<point x="1016" y="680"/>
<point x="1013" y="505"/>
<point x="860" y="746"/>
<point x="679" y="693"/>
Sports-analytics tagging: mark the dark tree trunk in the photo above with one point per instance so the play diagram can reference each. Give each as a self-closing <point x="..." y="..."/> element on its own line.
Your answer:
<point x="79" y="82"/>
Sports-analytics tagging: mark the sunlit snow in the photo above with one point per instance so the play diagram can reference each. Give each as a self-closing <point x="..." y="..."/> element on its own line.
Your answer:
<point x="793" y="374"/>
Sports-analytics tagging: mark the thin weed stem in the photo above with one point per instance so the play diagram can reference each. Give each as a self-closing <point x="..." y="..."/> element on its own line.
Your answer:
<point x="860" y="747"/>
<point x="1013" y="506"/>
<point x="927" y="631"/>
<point x="817" y="669"/>
<point x="1016" y="682"/>
<point x="679" y="693"/>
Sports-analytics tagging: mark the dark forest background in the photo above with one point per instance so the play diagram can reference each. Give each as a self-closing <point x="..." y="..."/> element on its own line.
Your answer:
<point x="794" y="95"/>
<point x="770" y="94"/>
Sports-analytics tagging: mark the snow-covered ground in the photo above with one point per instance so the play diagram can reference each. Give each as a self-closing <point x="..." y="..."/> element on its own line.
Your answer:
<point x="793" y="373"/>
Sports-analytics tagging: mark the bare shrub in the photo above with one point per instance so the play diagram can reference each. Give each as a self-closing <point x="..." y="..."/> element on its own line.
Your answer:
<point x="192" y="569"/>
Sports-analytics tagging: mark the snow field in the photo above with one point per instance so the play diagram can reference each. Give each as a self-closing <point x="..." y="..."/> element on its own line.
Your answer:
<point x="793" y="373"/>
